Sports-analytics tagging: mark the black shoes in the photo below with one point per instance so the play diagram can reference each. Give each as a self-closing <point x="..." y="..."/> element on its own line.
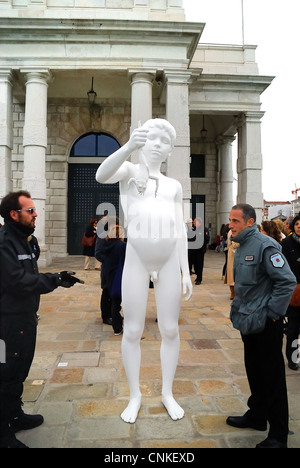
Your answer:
<point x="25" y="422"/>
<point x="108" y="321"/>
<point x="10" y="441"/>
<point x="242" y="422"/>
<point x="271" y="444"/>
<point x="293" y="366"/>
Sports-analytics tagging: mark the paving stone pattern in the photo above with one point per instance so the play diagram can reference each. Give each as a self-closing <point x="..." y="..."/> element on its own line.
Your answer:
<point x="77" y="380"/>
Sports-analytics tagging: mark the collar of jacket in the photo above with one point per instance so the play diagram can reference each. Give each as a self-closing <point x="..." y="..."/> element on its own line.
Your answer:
<point x="17" y="229"/>
<point x="243" y="236"/>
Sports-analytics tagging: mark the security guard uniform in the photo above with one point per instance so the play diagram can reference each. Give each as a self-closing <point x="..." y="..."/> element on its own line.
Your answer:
<point x="20" y="289"/>
<point x="264" y="285"/>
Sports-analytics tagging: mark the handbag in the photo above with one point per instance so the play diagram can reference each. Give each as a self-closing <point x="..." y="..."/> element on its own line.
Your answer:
<point x="88" y="241"/>
<point x="295" y="301"/>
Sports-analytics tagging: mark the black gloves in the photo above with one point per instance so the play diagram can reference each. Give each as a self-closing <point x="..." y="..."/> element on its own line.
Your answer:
<point x="66" y="279"/>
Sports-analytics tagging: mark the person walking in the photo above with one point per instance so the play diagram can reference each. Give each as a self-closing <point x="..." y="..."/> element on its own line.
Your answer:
<point x="21" y="285"/>
<point x="291" y="250"/>
<point x="264" y="285"/>
<point x="111" y="251"/>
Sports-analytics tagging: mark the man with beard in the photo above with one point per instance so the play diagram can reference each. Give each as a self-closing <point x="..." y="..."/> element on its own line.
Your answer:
<point x="21" y="285"/>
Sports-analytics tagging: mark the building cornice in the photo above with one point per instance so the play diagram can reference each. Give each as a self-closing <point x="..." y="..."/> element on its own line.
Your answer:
<point x="102" y="39"/>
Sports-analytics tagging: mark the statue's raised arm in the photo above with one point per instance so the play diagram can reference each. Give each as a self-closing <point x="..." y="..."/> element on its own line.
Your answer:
<point x="114" y="169"/>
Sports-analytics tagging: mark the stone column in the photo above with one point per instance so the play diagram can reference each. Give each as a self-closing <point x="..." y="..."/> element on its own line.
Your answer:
<point x="249" y="165"/>
<point x="6" y="132"/>
<point x="225" y="179"/>
<point x="177" y="113"/>
<point x="35" y="144"/>
<point x="141" y="100"/>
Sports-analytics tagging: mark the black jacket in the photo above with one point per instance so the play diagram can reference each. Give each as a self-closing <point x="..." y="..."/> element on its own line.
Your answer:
<point x="21" y="284"/>
<point x="111" y="253"/>
<point x="291" y="250"/>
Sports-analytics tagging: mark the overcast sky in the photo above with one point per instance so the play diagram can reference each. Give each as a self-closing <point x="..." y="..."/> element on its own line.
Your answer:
<point x="272" y="25"/>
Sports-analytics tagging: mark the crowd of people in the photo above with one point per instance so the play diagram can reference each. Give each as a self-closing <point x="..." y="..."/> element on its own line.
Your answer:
<point x="262" y="269"/>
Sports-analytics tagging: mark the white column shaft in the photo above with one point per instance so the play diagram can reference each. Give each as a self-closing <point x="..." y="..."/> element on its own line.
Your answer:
<point x="35" y="144"/>
<point x="177" y="109"/>
<point x="249" y="166"/>
<point x="6" y="132"/>
<point x="226" y="179"/>
<point x="141" y="101"/>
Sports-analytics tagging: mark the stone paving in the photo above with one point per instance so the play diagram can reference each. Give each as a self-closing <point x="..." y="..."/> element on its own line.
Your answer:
<point x="78" y="383"/>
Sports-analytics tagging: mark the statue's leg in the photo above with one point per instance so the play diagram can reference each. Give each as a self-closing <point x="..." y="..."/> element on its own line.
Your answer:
<point x="168" y="298"/>
<point x="135" y="289"/>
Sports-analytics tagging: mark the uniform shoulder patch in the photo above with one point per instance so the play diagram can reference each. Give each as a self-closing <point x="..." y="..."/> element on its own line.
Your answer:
<point x="277" y="260"/>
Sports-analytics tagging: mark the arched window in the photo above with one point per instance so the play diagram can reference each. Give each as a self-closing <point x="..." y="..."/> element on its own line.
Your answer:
<point x="94" y="145"/>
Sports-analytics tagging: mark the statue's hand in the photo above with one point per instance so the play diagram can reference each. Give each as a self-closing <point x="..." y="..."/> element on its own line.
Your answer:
<point x="187" y="287"/>
<point x="137" y="139"/>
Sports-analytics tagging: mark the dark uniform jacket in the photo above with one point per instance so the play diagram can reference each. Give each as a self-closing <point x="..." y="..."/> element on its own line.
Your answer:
<point x="264" y="282"/>
<point x="20" y="282"/>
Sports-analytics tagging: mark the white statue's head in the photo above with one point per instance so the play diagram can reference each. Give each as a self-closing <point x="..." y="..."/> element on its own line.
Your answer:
<point x="163" y="125"/>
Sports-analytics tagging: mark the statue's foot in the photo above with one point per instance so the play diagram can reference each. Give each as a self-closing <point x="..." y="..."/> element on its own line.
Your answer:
<point x="129" y="415"/>
<point x="175" y="411"/>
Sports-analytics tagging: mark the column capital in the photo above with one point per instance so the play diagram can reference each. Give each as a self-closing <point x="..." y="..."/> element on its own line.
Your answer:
<point x="144" y="74"/>
<point x="6" y="75"/>
<point x="178" y="76"/>
<point x="42" y="76"/>
<point x="225" y="140"/>
<point x="249" y="116"/>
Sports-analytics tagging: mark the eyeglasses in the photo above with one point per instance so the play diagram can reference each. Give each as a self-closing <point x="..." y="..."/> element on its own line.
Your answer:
<point x="30" y="210"/>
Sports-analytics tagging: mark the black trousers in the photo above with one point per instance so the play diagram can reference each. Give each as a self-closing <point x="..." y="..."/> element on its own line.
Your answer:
<point x="110" y="308"/>
<point x="20" y="341"/>
<point x="105" y="305"/>
<point x="197" y="258"/>
<point x="117" y="319"/>
<point x="266" y="375"/>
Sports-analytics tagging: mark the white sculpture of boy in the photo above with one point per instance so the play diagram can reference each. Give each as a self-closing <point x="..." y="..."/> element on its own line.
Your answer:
<point x="156" y="248"/>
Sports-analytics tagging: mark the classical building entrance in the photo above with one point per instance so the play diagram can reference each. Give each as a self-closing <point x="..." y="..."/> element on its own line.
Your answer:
<point x="86" y="197"/>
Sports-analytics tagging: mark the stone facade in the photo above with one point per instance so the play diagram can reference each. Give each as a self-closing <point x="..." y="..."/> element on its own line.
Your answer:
<point x="146" y="62"/>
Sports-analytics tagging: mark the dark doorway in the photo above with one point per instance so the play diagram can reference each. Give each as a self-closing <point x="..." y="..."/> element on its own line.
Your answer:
<point x="86" y="197"/>
<point x="198" y="206"/>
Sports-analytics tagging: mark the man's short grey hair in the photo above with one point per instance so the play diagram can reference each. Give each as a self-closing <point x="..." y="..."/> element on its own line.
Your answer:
<point x="247" y="210"/>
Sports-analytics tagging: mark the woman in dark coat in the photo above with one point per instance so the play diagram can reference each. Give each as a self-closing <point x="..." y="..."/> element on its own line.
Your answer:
<point x="111" y="251"/>
<point x="291" y="250"/>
